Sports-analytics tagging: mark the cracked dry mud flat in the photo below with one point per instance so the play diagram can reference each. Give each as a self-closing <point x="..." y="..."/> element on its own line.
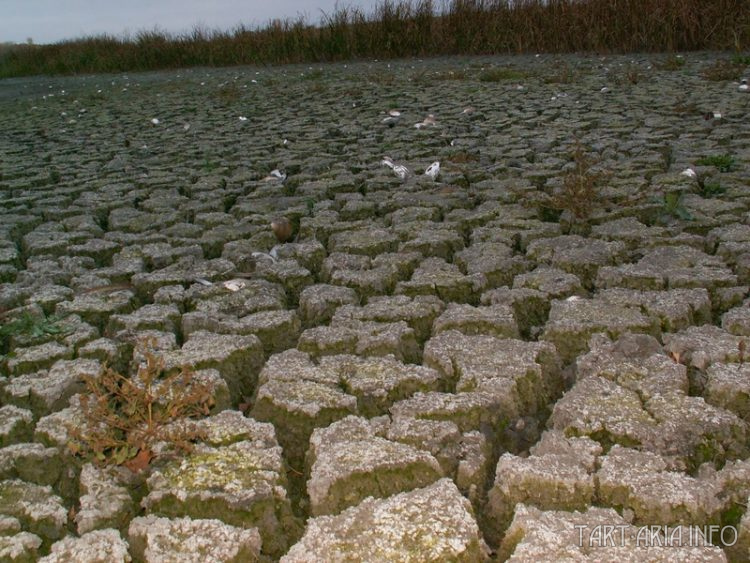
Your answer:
<point x="432" y="371"/>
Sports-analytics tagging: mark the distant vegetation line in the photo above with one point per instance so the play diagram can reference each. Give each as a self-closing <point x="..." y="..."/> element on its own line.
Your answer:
<point x="404" y="28"/>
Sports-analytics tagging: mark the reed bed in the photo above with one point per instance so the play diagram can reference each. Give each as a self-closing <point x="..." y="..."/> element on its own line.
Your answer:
<point x="406" y="28"/>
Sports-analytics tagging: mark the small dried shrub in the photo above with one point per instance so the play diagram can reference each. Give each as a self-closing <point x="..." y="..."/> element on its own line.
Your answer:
<point x="125" y="417"/>
<point x="673" y="62"/>
<point x="500" y="75"/>
<point x="723" y="69"/>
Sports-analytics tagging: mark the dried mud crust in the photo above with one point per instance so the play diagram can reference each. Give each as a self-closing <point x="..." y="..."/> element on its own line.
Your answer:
<point x="428" y="369"/>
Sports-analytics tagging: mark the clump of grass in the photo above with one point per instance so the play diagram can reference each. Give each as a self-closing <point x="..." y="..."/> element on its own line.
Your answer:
<point x="673" y="206"/>
<point x="722" y="162"/>
<point x="124" y="418"/>
<point x="723" y="69"/>
<point x="500" y="75"/>
<point x="228" y="94"/>
<point x="458" y="74"/>
<point x="563" y="74"/>
<point x="710" y="189"/>
<point x="673" y="62"/>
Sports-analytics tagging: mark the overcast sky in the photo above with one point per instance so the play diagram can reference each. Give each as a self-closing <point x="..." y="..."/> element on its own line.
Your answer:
<point x="48" y="21"/>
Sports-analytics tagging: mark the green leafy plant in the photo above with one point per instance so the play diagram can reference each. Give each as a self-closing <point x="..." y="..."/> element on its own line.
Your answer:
<point x="124" y="417"/>
<point x="710" y="189"/>
<point x="723" y="163"/>
<point x="28" y="326"/>
<point x="672" y="206"/>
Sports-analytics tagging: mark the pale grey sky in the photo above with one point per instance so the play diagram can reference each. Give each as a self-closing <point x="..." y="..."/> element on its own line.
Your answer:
<point x="48" y="21"/>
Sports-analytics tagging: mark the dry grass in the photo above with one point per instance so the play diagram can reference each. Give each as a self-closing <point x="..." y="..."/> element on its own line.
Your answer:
<point x="404" y="28"/>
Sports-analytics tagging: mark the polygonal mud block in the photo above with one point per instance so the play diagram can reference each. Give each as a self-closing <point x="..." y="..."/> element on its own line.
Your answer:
<point x="737" y="321"/>
<point x="36" y="507"/>
<point x="598" y="534"/>
<point x="277" y="330"/>
<point x="528" y="371"/>
<point x="675" y="309"/>
<point x="728" y="387"/>
<point x="641" y="482"/>
<point x="368" y="242"/>
<point x="437" y="277"/>
<point x="495" y="260"/>
<point x="379" y="382"/>
<point x="35" y="358"/>
<point x="367" y="282"/>
<point x="572" y="322"/>
<point x="495" y="320"/>
<point x="347" y="470"/>
<point x="237" y="358"/>
<point x="634" y="361"/>
<point x="695" y="432"/>
<point x="194" y="541"/>
<point x="436" y="242"/>
<point x="328" y="340"/>
<point x="631" y="232"/>
<point x="699" y="347"/>
<point x="318" y="303"/>
<point x="670" y="266"/>
<point x="242" y="484"/>
<point x="165" y="318"/>
<point x="577" y="255"/>
<point x="530" y="306"/>
<point x="97" y="308"/>
<point x="553" y="282"/>
<point x="21" y="547"/>
<point x="47" y="391"/>
<point x="255" y="296"/>
<point x="483" y="411"/>
<point x="116" y="354"/>
<point x="554" y="477"/>
<point x="441" y="438"/>
<point x="434" y="523"/>
<point x="105" y="500"/>
<point x="288" y="273"/>
<point x="297" y="407"/>
<point x="31" y="462"/>
<point x="419" y="312"/>
<point x="606" y="412"/>
<point x="16" y="425"/>
<point x="99" y="546"/>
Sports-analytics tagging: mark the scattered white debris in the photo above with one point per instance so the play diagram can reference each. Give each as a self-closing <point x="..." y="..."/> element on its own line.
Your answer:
<point x="263" y="255"/>
<point x="203" y="281"/>
<point x="243" y="118"/>
<point x="433" y="170"/>
<point x="717" y="115"/>
<point x="604" y="90"/>
<point x="429" y="121"/>
<point x="186" y="127"/>
<point x="394" y="113"/>
<point x="234" y="285"/>
<point x="689" y="172"/>
<point x="743" y="87"/>
<point x="155" y="121"/>
<point x="276" y="175"/>
<point x="468" y="110"/>
<point x="399" y="170"/>
<point x="573" y="298"/>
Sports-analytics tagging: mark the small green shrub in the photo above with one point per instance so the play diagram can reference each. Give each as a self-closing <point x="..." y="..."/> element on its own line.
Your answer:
<point x="500" y="75"/>
<point x="722" y="162"/>
<point x="673" y="62"/>
<point x="28" y="326"/>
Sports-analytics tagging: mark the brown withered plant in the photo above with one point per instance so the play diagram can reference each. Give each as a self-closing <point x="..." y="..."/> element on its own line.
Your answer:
<point x="123" y="417"/>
